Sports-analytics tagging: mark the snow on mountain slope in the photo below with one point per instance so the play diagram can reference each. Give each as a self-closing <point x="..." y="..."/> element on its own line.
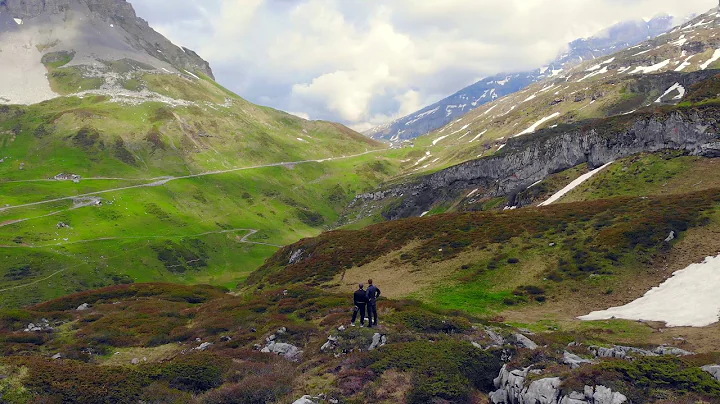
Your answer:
<point x="655" y="72"/>
<point x="485" y="91"/>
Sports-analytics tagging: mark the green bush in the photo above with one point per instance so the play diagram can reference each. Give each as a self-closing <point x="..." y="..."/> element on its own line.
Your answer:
<point x="648" y="378"/>
<point x="447" y="370"/>
<point x="425" y="321"/>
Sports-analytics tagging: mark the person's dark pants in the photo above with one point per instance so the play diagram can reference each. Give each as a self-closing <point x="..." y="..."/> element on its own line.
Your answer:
<point x="372" y="313"/>
<point x="361" y="310"/>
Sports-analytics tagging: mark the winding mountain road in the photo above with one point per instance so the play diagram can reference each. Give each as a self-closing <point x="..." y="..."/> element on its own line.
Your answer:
<point x="159" y="181"/>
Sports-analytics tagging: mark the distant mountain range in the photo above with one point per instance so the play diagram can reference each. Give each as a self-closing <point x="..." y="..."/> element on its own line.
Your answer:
<point x="608" y="41"/>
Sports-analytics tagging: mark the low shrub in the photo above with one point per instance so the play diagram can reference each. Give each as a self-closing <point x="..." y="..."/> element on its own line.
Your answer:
<point x="447" y="370"/>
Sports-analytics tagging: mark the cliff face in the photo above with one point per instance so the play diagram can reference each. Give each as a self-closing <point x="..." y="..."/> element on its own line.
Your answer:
<point x="527" y="160"/>
<point x="117" y="12"/>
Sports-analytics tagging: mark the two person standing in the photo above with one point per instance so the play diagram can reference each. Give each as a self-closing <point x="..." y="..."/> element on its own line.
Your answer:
<point x="363" y="300"/>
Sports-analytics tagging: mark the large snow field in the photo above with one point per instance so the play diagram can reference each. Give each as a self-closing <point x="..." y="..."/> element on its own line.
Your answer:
<point x="688" y="299"/>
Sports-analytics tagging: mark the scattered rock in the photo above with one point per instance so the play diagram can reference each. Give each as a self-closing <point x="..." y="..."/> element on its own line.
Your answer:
<point x="296" y="256"/>
<point x="625" y="352"/>
<point x="341" y="328"/>
<point x="41" y="326"/>
<point x="225" y="338"/>
<point x="524" y="342"/>
<point x="83" y="307"/>
<point x="57" y="356"/>
<point x="287" y="351"/>
<point x="135" y="361"/>
<point x="574" y="361"/>
<point x="511" y="389"/>
<point x="671" y="237"/>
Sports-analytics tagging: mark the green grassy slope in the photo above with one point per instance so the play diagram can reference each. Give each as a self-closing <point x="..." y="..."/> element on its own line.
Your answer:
<point x="179" y="187"/>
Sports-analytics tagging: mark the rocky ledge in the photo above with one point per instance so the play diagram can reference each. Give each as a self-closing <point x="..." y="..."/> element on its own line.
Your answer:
<point x="528" y="159"/>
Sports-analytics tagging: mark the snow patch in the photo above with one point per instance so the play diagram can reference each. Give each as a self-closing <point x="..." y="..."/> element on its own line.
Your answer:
<point x="438" y="140"/>
<point x="472" y="193"/>
<point x="18" y="21"/>
<point x="715" y="56"/>
<point x="478" y="136"/>
<point x="533" y="128"/>
<point x="687" y="299"/>
<point x="573" y="185"/>
<point x="684" y="64"/>
<point x="674" y="87"/>
<point x="595" y="73"/>
<point x="653" y="68"/>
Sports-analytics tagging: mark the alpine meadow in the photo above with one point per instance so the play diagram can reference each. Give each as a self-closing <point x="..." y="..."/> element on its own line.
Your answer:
<point x="546" y="235"/>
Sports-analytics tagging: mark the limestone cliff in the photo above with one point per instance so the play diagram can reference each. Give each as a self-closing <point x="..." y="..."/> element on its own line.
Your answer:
<point x="526" y="160"/>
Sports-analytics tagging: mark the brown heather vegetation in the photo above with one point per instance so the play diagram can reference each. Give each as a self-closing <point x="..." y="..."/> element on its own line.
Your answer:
<point x="598" y="237"/>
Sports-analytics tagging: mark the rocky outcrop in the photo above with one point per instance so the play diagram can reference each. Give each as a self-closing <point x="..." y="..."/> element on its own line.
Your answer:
<point x="626" y="352"/>
<point x="512" y="389"/>
<point x="119" y="13"/>
<point x="714" y="370"/>
<point x="273" y="345"/>
<point x="526" y="160"/>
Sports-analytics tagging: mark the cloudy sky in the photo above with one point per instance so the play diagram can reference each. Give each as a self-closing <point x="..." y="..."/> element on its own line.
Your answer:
<point x="365" y="62"/>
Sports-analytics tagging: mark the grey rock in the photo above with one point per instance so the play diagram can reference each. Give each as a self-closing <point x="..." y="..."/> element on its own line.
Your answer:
<point x="714" y="370"/>
<point x="604" y="395"/>
<point x="525" y="342"/>
<point x="135" y="361"/>
<point x="204" y="346"/>
<point x="497" y="339"/>
<point x="668" y="350"/>
<point x="511" y="389"/>
<point x="499" y="397"/>
<point x="378" y="340"/>
<point x="83" y="307"/>
<point x="305" y="400"/>
<point x="574" y="361"/>
<point x="543" y="391"/>
<point x="57" y="356"/>
<point x="287" y="351"/>
<point x="139" y="34"/>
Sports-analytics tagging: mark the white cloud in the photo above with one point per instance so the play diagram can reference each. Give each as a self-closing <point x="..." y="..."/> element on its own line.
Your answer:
<point x="363" y="63"/>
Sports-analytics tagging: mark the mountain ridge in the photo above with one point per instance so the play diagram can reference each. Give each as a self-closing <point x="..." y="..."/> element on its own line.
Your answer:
<point x="432" y="117"/>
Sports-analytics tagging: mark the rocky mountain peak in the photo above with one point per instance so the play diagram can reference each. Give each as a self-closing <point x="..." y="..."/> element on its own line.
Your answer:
<point x="114" y="12"/>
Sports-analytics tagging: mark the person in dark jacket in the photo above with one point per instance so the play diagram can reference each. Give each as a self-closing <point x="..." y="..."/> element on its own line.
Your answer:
<point x="360" y="300"/>
<point x="373" y="293"/>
